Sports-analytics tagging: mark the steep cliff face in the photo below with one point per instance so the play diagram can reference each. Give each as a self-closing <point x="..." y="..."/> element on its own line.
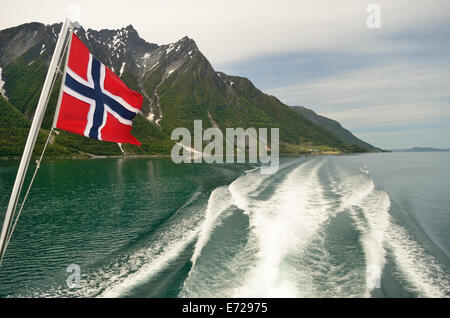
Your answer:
<point x="177" y="81"/>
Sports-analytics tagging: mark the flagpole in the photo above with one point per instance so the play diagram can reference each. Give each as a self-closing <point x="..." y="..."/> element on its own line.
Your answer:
<point x="31" y="140"/>
<point x="61" y="90"/>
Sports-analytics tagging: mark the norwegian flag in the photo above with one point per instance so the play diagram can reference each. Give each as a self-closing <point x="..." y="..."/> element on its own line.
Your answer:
<point x="95" y="103"/>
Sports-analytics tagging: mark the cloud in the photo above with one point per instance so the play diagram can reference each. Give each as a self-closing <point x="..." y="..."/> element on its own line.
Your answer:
<point x="400" y="93"/>
<point x="437" y="136"/>
<point x="233" y="30"/>
<point x="393" y="115"/>
<point x="383" y="100"/>
<point x="313" y="53"/>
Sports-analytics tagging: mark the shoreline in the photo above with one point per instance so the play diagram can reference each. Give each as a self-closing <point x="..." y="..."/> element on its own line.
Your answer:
<point x="90" y="156"/>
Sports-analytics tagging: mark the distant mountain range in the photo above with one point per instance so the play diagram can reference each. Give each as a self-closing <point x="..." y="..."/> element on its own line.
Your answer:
<point x="177" y="82"/>
<point x="420" y="149"/>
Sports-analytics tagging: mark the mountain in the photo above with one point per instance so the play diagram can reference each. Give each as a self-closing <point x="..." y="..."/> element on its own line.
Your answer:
<point x="421" y="149"/>
<point x="14" y="128"/>
<point x="334" y="127"/>
<point x="178" y="84"/>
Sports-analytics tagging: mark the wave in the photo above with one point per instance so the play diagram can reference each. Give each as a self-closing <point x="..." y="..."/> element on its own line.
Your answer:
<point x="117" y="287"/>
<point x="219" y="200"/>
<point x="288" y="244"/>
<point x="251" y="170"/>
<point x="209" y="279"/>
<point x="286" y="253"/>
<point x="369" y="209"/>
<point x="380" y="234"/>
<point x="419" y="268"/>
<point x="289" y="249"/>
<point x="129" y="270"/>
<point x="147" y="262"/>
<point x="282" y="225"/>
<point x="223" y="198"/>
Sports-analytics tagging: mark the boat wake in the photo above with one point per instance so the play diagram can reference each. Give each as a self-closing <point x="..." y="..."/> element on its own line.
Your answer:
<point x="314" y="229"/>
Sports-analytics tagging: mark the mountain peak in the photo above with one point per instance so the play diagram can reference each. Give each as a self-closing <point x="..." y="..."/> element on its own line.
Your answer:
<point x="185" y="44"/>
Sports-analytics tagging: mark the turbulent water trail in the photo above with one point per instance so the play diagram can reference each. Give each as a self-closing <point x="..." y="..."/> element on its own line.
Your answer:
<point x="129" y="270"/>
<point x="368" y="208"/>
<point x="297" y="220"/>
<point x="283" y="225"/>
<point x="418" y="267"/>
<point x="314" y="229"/>
<point x="380" y="234"/>
<point x="218" y="202"/>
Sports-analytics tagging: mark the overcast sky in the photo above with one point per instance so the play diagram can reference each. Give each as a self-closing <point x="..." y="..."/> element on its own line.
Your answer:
<point x="389" y="86"/>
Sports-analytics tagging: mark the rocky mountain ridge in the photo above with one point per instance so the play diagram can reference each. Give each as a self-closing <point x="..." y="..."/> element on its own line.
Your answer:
<point x="178" y="84"/>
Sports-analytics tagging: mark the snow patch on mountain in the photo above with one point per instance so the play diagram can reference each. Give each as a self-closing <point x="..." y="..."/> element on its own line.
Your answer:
<point x="170" y="48"/>
<point x="145" y="59"/>
<point x="122" y="68"/>
<point x="115" y="40"/>
<point x="54" y="32"/>
<point x="154" y="65"/>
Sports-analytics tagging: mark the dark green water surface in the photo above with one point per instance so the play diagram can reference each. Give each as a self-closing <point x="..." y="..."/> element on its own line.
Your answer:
<point x="372" y="225"/>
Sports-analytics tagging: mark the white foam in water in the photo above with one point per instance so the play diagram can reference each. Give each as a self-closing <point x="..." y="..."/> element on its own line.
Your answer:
<point x="251" y="170"/>
<point x="129" y="271"/>
<point x="282" y="226"/>
<point x="219" y="200"/>
<point x="286" y="224"/>
<point x="194" y="197"/>
<point x="217" y="280"/>
<point x="282" y="229"/>
<point x="418" y="267"/>
<point x="219" y="204"/>
<point x="148" y="270"/>
<point x="149" y="261"/>
<point x="359" y="191"/>
<point x="245" y="185"/>
<point x="379" y="231"/>
<point x="291" y="224"/>
<point x="353" y="189"/>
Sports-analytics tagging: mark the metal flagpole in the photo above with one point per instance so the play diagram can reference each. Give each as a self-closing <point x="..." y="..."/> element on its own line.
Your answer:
<point x="31" y="140"/>
<point x="58" y="104"/>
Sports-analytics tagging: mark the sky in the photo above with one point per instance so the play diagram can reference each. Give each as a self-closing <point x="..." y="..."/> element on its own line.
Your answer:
<point x="389" y="85"/>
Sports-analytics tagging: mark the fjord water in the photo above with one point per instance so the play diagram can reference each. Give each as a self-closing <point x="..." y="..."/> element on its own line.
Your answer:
<point x="373" y="225"/>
